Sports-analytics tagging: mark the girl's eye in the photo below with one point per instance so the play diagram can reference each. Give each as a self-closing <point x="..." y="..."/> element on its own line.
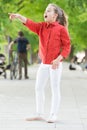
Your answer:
<point x="48" y="11"/>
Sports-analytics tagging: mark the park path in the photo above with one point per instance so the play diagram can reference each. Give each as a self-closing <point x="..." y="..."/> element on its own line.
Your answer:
<point x="17" y="102"/>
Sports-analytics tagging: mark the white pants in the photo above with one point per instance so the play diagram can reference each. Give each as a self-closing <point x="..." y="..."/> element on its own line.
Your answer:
<point x="44" y="73"/>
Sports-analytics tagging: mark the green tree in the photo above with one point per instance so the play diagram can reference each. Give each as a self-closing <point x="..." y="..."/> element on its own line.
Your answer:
<point x="34" y="9"/>
<point x="78" y="20"/>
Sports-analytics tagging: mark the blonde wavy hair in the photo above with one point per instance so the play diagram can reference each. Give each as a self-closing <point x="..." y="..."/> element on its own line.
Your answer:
<point x="62" y="17"/>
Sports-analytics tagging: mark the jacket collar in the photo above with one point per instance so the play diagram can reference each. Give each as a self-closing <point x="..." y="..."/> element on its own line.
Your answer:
<point x="51" y="24"/>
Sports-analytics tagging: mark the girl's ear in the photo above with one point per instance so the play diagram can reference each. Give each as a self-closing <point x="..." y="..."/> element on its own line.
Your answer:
<point x="56" y="16"/>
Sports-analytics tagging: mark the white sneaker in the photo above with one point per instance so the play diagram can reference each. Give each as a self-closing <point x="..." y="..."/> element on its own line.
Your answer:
<point x="52" y="119"/>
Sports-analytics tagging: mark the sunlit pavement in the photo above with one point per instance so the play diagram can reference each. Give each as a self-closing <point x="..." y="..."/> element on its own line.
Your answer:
<point x="17" y="102"/>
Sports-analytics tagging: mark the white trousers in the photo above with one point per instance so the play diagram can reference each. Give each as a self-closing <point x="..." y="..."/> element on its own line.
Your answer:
<point x="44" y="73"/>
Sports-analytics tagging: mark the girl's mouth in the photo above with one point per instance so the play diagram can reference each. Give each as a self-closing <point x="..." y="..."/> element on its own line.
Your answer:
<point x="45" y="16"/>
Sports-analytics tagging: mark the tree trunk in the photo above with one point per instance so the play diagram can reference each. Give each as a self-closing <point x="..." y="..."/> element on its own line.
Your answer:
<point x="86" y="54"/>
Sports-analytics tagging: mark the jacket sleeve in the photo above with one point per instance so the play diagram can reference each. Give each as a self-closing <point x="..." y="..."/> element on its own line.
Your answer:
<point x="65" y="40"/>
<point x="33" y="26"/>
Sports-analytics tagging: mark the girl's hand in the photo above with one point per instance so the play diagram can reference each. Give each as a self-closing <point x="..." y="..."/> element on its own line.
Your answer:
<point x="18" y="16"/>
<point x="55" y="62"/>
<point x="13" y="16"/>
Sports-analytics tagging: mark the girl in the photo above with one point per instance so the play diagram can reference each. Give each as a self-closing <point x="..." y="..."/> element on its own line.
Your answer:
<point x="54" y="46"/>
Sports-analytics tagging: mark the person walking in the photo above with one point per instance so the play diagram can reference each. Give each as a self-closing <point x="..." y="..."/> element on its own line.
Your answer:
<point x="22" y="46"/>
<point x="54" y="47"/>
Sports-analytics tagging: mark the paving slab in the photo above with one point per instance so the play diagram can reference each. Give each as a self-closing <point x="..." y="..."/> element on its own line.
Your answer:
<point x="17" y="102"/>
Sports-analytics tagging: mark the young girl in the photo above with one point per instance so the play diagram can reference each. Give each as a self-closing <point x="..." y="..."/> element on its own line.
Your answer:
<point x="54" y="46"/>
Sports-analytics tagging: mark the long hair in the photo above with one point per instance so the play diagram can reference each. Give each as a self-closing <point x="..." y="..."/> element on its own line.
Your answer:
<point x="62" y="17"/>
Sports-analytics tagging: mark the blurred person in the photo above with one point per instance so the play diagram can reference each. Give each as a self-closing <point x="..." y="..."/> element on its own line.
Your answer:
<point x="23" y="46"/>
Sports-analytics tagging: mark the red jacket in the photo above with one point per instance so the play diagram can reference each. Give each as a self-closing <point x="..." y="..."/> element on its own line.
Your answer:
<point x="53" y="40"/>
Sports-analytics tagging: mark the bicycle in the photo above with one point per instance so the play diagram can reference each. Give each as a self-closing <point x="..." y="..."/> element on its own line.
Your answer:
<point x="14" y="66"/>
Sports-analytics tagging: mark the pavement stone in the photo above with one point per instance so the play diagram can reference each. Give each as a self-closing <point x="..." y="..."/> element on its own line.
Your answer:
<point x="17" y="102"/>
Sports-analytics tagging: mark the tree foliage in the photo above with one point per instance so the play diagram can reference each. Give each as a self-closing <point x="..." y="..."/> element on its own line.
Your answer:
<point x="34" y="9"/>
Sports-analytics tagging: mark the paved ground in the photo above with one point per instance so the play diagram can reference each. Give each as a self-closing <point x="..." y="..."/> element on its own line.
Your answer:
<point x="17" y="102"/>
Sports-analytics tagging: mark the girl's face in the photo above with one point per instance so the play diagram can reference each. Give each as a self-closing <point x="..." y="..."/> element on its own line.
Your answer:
<point x="49" y="14"/>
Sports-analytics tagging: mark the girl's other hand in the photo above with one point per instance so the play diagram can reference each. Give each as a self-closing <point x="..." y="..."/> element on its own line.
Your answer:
<point x="56" y="62"/>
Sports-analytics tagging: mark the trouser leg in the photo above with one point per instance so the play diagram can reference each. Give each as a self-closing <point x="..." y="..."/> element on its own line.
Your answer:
<point x="20" y="65"/>
<point x="55" y="77"/>
<point x="41" y="81"/>
<point x="25" y="64"/>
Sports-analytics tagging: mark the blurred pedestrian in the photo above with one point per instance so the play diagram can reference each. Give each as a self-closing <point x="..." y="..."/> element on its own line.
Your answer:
<point x="23" y="46"/>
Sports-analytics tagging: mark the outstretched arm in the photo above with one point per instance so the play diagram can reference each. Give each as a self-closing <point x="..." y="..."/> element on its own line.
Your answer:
<point x="33" y="26"/>
<point x="13" y="16"/>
